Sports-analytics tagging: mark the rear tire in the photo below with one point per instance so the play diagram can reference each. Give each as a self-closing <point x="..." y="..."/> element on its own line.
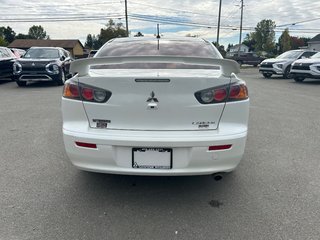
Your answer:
<point x="299" y="79"/>
<point x="21" y="83"/>
<point x="267" y="75"/>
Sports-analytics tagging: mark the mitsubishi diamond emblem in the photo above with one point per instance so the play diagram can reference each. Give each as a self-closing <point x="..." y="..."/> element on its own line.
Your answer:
<point x="152" y="98"/>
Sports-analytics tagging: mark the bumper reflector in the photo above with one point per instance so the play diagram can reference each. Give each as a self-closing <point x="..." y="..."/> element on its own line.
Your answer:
<point x="219" y="147"/>
<point x="86" y="145"/>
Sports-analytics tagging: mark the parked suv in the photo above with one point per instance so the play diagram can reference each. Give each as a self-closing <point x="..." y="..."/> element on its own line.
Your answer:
<point x="306" y="68"/>
<point x="247" y="58"/>
<point x="281" y="65"/>
<point x="7" y="59"/>
<point x="42" y="64"/>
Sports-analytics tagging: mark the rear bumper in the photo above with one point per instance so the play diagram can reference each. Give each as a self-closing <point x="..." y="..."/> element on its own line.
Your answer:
<point x="190" y="155"/>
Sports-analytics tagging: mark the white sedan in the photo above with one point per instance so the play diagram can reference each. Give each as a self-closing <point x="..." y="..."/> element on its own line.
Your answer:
<point x="147" y="106"/>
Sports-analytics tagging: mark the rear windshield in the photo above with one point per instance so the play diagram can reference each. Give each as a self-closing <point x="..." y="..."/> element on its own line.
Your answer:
<point x="158" y="48"/>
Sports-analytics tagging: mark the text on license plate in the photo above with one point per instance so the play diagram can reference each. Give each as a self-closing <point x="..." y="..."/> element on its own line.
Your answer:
<point x="152" y="158"/>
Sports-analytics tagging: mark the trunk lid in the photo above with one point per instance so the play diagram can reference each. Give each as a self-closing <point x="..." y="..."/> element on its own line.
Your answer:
<point x="152" y="99"/>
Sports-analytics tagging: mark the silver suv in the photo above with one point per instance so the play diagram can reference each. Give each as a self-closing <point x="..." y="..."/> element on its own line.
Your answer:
<point x="306" y="68"/>
<point x="281" y="65"/>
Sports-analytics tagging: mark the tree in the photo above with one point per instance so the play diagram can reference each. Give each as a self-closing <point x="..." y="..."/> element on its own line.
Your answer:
<point x="305" y="40"/>
<point x="113" y="30"/>
<point x="89" y="41"/>
<point x="92" y="42"/>
<point x="264" y="36"/>
<point x="250" y="42"/>
<point x="222" y="51"/>
<point x="229" y="47"/>
<point x="296" y="42"/>
<point x="138" y="34"/>
<point x="37" y="32"/>
<point x="7" y="34"/>
<point x="2" y="41"/>
<point x="285" y="41"/>
<point x="220" y="48"/>
<point x="22" y="36"/>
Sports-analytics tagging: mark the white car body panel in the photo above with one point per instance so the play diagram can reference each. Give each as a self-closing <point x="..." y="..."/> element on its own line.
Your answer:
<point x="313" y="68"/>
<point x="175" y="110"/>
<point x="174" y="124"/>
<point x="82" y="66"/>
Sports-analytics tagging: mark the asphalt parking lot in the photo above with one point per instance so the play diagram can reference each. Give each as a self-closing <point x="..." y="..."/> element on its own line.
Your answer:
<point x="273" y="194"/>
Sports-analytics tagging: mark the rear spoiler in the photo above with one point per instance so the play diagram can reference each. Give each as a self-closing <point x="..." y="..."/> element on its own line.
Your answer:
<point x="82" y="66"/>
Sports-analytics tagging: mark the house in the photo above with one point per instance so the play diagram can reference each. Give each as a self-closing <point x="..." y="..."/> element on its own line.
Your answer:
<point x="234" y="50"/>
<point x="75" y="47"/>
<point x="314" y="43"/>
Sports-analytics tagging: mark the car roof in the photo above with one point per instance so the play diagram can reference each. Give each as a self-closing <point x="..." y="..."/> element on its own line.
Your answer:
<point x="301" y="50"/>
<point x="46" y="47"/>
<point x="142" y="39"/>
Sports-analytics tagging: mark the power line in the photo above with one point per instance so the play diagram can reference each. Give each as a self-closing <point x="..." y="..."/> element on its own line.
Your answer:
<point x="295" y="23"/>
<point x="71" y="19"/>
<point x="59" y="4"/>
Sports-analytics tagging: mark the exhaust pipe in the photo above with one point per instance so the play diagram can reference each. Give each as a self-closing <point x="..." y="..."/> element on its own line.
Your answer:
<point x="217" y="176"/>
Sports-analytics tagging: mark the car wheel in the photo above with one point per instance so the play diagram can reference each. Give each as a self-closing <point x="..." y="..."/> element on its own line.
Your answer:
<point x="287" y="74"/>
<point x="21" y="83"/>
<point x="62" y="78"/>
<point x="267" y="75"/>
<point x="255" y="65"/>
<point x="299" y="79"/>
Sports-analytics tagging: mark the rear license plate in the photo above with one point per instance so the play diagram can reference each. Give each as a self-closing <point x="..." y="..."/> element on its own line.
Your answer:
<point x="152" y="158"/>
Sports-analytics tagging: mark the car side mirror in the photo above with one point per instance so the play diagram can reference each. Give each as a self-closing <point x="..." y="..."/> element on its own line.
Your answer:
<point x="63" y="58"/>
<point x="303" y="57"/>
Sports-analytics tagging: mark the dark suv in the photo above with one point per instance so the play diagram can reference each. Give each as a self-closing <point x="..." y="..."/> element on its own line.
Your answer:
<point x="7" y="59"/>
<point x="42" y="64"/>
<point x="247" y="58"/>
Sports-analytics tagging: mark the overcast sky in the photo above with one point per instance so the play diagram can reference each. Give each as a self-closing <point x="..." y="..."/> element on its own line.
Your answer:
<point x="66" y="19"/>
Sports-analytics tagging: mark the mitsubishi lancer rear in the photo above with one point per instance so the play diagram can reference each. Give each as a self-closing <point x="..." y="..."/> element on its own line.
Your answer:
<point x="159" y="106"/>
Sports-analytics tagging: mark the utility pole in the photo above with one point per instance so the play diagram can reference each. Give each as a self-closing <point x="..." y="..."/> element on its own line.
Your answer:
<point x="218" y="30"/>
<point x="126" y="12"/>
<point x="240" y="38"/>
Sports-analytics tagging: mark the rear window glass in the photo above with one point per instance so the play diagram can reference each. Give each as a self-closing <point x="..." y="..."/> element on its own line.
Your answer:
<point x="158" y="48"/>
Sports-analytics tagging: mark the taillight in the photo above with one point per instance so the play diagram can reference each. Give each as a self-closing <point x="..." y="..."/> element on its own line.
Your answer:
<point x="238" y="92"/>
<point x="71" y="90"/>
<point x="85" y="92"/>
<point x="235" y="92"/>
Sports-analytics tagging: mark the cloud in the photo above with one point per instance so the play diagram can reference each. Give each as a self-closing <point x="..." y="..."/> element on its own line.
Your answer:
<point x="177" y="17"/>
